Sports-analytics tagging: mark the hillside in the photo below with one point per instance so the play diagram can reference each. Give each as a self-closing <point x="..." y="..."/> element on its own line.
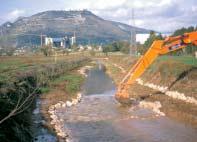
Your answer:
<point x="88" y="28"/>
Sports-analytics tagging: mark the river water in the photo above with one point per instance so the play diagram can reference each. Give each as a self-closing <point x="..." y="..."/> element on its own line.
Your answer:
<point x="41" y="134"/>
<point x="99" y="118"/>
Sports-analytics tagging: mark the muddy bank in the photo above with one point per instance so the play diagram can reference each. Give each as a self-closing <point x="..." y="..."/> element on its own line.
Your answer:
<point x="99" y="117"/>
<point x="18" y="90"/>
<point x="171" y="83"/>
<point x="62" y="89"/>
<point x="58" y="97"/>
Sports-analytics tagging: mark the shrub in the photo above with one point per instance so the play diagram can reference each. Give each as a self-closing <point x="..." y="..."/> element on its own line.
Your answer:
<point x="25" y="86"/>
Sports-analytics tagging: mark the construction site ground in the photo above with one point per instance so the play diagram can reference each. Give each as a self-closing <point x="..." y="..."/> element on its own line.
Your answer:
<point x="179" y="74"/>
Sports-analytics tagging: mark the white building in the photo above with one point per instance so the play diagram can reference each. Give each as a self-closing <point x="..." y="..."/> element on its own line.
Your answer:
<point x="19" y="51"/>
<point x="89" y="47"/>
<point x="72" y="40"/>
<point x="141" y="38"/>
<point x="80" y="47"/>
<point x="58" y="42"/>
<point x="100" y="48"/>
<point x="48" y="41"/>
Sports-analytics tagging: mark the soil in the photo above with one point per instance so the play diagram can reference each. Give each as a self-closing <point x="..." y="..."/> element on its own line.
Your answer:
<point x="184" y="81"/>
<point x="56" y="94"/>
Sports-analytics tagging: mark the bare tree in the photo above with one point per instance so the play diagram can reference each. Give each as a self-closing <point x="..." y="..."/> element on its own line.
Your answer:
<point x="22" y="104"/>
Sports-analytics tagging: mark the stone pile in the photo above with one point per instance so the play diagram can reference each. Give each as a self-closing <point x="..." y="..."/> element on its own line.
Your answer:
<point x="57" y="122"/>
<point x="155" y="106"/>
<point x="173" y="94"/>
<point x="84" y="69"/>
<point x="121" y="68"/>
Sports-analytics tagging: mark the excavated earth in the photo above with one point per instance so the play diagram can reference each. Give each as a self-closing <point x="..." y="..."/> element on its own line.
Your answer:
<point x="99" y="117"/>
<point x="170" y="81"/>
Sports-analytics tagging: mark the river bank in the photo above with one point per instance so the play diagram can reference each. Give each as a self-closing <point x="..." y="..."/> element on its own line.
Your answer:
<point x="64" y="92"/>
<point x="99" y="117"/>
<point x="172" y="83"/>
<point x="23" y="81"/>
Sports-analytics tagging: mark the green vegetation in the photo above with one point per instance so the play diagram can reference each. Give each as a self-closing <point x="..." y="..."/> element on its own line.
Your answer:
<point x="66" y="51"/>
<point x="92" y="52"/>
<point x="184" y="30"/>
<point x="46" y="50"/>
<point x="44" y="90"/>
<point x="73" y="85"/>
<point x="189" y="50"/>
<point x="18" y="93"/>
<point x="172" y="66"/>
<point x="122" y="46"/>
<point x="188" y="60"/>
<point x="106" y="49"/>
<point x="153" y="36"/>
<point x="73" y="82"/>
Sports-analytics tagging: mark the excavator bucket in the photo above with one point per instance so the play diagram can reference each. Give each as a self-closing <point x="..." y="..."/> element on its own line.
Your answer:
<point x="140" y="66"/>
<point x="122" y="96"/>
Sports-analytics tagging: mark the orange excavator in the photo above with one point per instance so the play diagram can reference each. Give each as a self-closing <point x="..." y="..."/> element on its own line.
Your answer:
<point x="159" y="47"/>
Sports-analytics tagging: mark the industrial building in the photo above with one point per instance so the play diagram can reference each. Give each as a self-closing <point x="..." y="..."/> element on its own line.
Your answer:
<point x="65" y="42"/>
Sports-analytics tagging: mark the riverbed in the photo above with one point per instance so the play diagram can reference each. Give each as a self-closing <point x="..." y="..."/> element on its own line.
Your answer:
<point x="100" y="118"/>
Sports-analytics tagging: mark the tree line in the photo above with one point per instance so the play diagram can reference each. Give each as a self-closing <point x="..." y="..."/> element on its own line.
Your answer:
<point x="124" y="46"/>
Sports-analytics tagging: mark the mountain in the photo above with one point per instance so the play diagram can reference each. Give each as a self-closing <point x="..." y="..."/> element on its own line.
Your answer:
<point x="87" y="26"/>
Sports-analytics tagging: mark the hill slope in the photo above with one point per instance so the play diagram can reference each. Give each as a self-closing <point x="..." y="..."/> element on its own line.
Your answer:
<point x="88" y="28"/>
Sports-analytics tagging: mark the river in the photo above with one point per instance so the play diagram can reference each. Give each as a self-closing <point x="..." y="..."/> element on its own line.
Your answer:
<point x="100" y="118"/>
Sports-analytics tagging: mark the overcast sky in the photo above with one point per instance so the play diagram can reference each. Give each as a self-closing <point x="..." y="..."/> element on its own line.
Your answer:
<point x="159" y="15"/>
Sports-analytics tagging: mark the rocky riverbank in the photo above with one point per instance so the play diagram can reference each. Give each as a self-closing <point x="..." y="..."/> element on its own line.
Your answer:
<point x="57" y="123"/>
<point x="171" y="83"/>
<point x="58" y="99"/>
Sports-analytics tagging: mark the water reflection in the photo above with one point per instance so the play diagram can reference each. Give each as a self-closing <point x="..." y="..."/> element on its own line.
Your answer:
<point x="97" y="82"/>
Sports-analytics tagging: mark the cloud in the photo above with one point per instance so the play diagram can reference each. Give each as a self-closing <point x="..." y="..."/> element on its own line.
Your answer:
<point x="146" y="3"/>
<point x="163" y="15"/>
<point x="95" y="5"/>
<point x="159" y="15"/>
<point x="15" y="14"/>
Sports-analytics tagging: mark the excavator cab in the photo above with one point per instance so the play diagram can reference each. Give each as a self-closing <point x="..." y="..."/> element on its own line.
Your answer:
<point x="159" y="47"/>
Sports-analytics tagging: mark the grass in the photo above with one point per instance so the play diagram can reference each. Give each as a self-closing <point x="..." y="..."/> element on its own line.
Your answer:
<point x="188" y="60"/>
<point x="178" y="72"/>
<point x="44" y="90"/>
<point x="171" y="67"/>
<point x="17" y="72"/>
<point x="63" y="88"/>
<point x="11" y="65"/>
<point x="73" y="82"/>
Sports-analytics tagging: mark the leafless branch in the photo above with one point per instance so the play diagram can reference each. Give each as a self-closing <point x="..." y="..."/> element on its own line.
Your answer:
<point x="19" y="108"/>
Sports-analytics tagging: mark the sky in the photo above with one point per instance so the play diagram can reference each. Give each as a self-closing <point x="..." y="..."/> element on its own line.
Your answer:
<point x="158" y="15"/>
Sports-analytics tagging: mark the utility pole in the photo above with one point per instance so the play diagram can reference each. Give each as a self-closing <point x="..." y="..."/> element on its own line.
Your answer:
<point x="75" y="40"/>
<point x="41" y="40"/>
<point x="133" y="48"/>
<point x="30" y="44"/>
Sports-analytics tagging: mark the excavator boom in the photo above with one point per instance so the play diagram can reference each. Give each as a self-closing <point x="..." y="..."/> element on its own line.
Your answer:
<point x="159" y="47"/>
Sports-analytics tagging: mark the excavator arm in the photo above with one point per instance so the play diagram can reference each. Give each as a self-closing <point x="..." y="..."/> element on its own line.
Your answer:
<point x="159" y="47"/>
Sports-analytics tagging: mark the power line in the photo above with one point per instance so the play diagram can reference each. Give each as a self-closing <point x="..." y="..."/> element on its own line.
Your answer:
<point x="133" y="47"/>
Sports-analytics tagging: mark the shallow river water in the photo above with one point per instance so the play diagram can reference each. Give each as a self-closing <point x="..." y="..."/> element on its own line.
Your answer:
<point x="99" y="118"/>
